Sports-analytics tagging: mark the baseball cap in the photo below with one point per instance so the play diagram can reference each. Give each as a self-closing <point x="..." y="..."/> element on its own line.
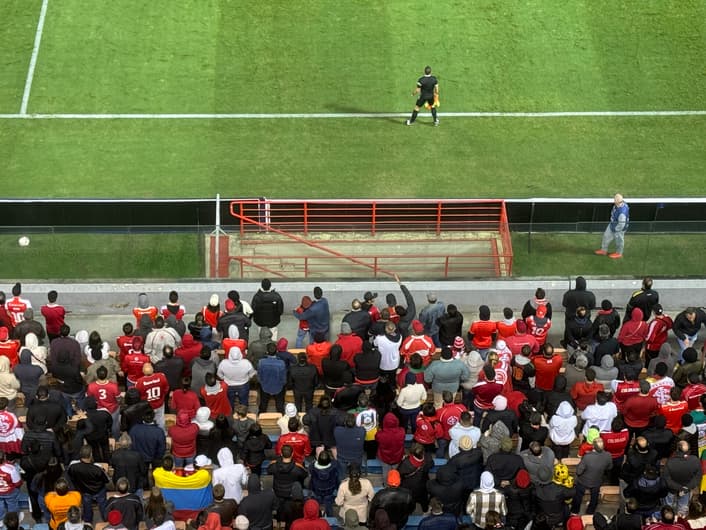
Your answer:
<point x="369" y="296"/>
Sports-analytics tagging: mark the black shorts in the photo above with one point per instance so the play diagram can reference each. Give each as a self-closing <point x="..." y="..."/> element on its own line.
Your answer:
<point x="422" y="100"/>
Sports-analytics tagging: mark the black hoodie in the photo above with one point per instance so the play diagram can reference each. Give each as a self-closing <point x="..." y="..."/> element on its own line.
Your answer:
<point x="258" y="505"/>
<point x="573" y="298"/>
<point x="28" y="375"/>
<point x="448" y="488"/>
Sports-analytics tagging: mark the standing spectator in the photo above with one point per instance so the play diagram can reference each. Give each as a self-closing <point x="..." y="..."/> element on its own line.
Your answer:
<point x="464" y="427"/>
<point x="254" y="448"/>
<point x="607" y="315"/>
<point x="153" y="388"/>
<point x="350" y="343"/>
<point x="520" y="338"/>
<point x="5" y="317"/>
<point x="303" y="330"/>
<point x="682" y="474"/>
<point x="693" y="392"/>
<point x="357" y="318"/>
<point x="10" y="483"/>
<point x="575" y="298"/>
<point x="312" y="519"/>
<point x="53" y="314"/>
<point x="129" y="463"/>
<point x="205" y="363"/>
<point x="335" y="372"/>
<point x="303" y="378"/>
<point x="133" y="362"/>
<point x="615" y="231"/>
<point x="367" y="366"/>
<point x="390" y="439"/>
<point x="267" y="306"/>
<point x="414" y="474"/>
<point x="447" y="487"/>
<point x="318" y="350"/>
<point x="127" y="504"/>
<point x="394" y="500"/>
<point x="547" y="367"/>
<point x="599" y="414"/>
<point x="450" y="325"/>
<point x="72" y="387"/>
<point x="551" y="498"/>
<point x="660" y="384"/>
<point x="605" y="344"/>
<point x="468" y="462"/>
<point x="657" y="332"/>
<point x="233" y="477"/>
<point x="445" y="374"/>
<point x="483" y="332"/>
<point x="418" y="343"/>
<point x="519" y="500"/>
<point x="633" y="333"/>
<point x="91" y="481"/>
<point x="172" y="366"/>
<point x="214" y="394"/>
<point x="321" y="421"/>
<point x="324" y="480"/>
<point x="540" y="299"/>
<point x="589" y="476"/>
<point x="507" y="327"/>
<point x="350" y="440"/>
<point x="607" y="372"/>
<point x="185" y="398"/>
<point x="645" y="298"/>
<point x="297" y="440"/>
<point x="674" y="409"/>
<point x="638" y="458"/>
<point x="107" y="396"/>
<point x="534" y="457"/>
<point x="584" y="392"/>
<point x="183" y="435"/>
<point x="212" y="312"/>
<point x="686" y="327"/>
<point x="236" y="372"/>
<point x="285" y="472"/>
<point x="429" y="316"/>
<point x="505" y="463"/>
<point x="355" y="493"/>
<point x="29" y="376"/>
<point x="59" y="501"/>
<point x="272" y="374"/>
<point x="16" y="306"/>
<point x="691" y="365"/>
<point x="484" y="392"/>
<point x="389" y="346"/>
<point x="616" y="441"/>
<point x="173" y="307"/>
<point x="484" y="499"/>
<point x="9" y="348"/>
<point x="149" y="440"/>
<point x="539" y="324"/>
<point x="144" y="308"/>
<point x="449" y="415"/>
<point x="160" y="336"/>
<point x="318" y="315"/>
<point x="409" y="400"/>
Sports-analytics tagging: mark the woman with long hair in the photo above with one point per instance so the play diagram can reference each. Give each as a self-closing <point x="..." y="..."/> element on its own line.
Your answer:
<point x="355" y="493"/>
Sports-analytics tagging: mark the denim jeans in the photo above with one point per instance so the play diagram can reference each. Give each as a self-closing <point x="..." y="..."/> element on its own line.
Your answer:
<point x="692" y="340"/>
<point x="68" y="398"/>
<point x="87" y="502"/>
<point x="183" y="461"/>
<point x="242" y="392"/>
<point x="680" y="503"/>
<point x="301" y="335"/>
<point x="9" y="502"/>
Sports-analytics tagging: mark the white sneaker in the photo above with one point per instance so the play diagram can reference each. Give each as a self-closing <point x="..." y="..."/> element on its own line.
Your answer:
<point x="436" y="123"/>
<point x="408" y="122"/>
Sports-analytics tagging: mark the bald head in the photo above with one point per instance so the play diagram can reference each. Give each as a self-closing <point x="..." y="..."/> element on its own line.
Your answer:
<point x="147" y="369"/>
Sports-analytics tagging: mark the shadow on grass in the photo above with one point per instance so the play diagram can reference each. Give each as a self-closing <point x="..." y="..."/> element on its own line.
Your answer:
<point x="333" y="107"/>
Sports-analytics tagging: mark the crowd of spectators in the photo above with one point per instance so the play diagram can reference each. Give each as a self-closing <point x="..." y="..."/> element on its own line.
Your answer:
<point x="474" y="424"/>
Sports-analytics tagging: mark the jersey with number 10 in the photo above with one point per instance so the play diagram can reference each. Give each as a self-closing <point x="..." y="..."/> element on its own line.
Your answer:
<point x="153" y="389"/>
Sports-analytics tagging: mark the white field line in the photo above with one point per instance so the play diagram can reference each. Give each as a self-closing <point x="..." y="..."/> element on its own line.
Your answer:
<point x="343" y="115"/>
<point x="33" y="60"/>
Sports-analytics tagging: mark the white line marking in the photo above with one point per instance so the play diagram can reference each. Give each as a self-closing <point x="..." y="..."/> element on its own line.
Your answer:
<point x="33" y="60"/>
<point x="343" y="115"/>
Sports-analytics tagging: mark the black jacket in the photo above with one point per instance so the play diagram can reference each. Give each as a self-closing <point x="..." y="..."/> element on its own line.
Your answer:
<point x="267" y="308"/>
<point x="551" y="500"/>
<point x="46" y="414"/>
<point x="303" y="378"/>
<point x="336" y="373"/>
<point x="236" y="318"/>
<point x="682" y="327"/>
<point x="648" y="492"/>
<point x="87" y="478"/>
<point x="129" y="464"/>
<point x="359" y="321"/>
<point x="130" y="507"/>
<point x="469" y="466"/>
<point x="520" y="504"/>
<point x="367" y="365"/>
<point x="579" y="296"/>
<point x="397" y="502"/>
<point x="172" y="369"/>
<point x="415" y="478"/>
<point x="504" y="465"/>
<point x="409" y="314"/>
<point x="447" y="487"/>
<point x="257" y="506"/>
<point x="68" y="373"/>
<point x="321" y="425"/>
<point x="284" y="475"/>
<point x="49" y="447"/>
<point x="450" y="327"/>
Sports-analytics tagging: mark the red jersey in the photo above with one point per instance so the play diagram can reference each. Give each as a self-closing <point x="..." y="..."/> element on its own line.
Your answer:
<point x="124" y="343"/>
<point x="132" y="364"/>
<point x="485" y="392"/>
<point x="189" y="350"/>
<point x="107" y="395"/>
<point x="217" y="400"/>
<point x="692" y="395"/>
<point x="623" y="391"/>
<point x="352" y="345"/>
<point x="516" y="342"/>
<point x="506" y="330"/>
<point x="449" y="416"/>
<point x="538" y="327"/>
<point x="657" y="331"/>
<point x="10" y="479"/>
<point x="177" y="310"/>
<point x="421" y="344"/>
<point x="229" y="343"/>
<point x="546" y="370"/>
<point x="16" y="307"/>
<point x="317" y="352"/>
<point x="186" y="401"/>
<point x="9" y="349"/>
<point x="615" y="442"/>
<point x="428" y="430"/>
<point x="153" y="388"/>
<point x="673" y="411"/>
<point x="660" y="388"/>
<point x="211" y="317"/>
<point x="374" y="313"/>
<point x="638" y="410"/>
<point x="54" y="317"/>
<point x="150" y="311"/>
<point x="299" y="442"/>
<point x="482" y="331"/>
<point x="584" y="393"/>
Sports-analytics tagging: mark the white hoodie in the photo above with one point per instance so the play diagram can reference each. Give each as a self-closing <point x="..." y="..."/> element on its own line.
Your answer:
<point x="235" y="371"/>
<point x="233" y="476"/>
<point x="600" y="416"/>
<point x="562" y="426"/>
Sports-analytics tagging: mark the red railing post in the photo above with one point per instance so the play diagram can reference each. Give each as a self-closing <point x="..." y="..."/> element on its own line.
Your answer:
<point x="306" y="218"/>
<point x="373" y="220"/>
<point x="438" y="218"/>
<point x="242" y="223"/>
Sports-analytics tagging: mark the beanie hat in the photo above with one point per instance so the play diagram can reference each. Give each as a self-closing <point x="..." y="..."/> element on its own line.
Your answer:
<point x="522" y="479"/>
<point x="393" y="478"/>
<point x="213" y="301"/>
<point x="459" y="343"/>
<point x="500" y="402"/>
<point x="592" y="434"/>
<point x="581" y="362"/>
<point x="282" y="344"/>
<point x="290" y="410"/>
<point x="115" y="517"/>
<point x="417" y="326"/>
<point x="230" y="305"/>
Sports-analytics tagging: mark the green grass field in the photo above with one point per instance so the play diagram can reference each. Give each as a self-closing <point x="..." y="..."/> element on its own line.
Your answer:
<point x="326" y="56"/>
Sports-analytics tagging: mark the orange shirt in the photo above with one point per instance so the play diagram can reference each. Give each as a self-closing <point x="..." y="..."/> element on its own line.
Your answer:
<point x="673" y="411"/>
<point x="317" y="352"/>
<point x="482" y="331"/>
<point x="59" y="505"/>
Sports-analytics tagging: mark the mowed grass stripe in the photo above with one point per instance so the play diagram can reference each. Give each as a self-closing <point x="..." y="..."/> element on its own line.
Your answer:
<point x="220" y="56"/>
<point x="354" y="158"/>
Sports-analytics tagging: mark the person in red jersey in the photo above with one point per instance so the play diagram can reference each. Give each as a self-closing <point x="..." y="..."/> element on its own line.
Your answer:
<point x="10" y="483"/>
<point x="54" y="315"/>
<point x="215" y="394"/>
<point x="183" y="436"/>
<point x="299" y="442"/>
<point x="584" y="392"/>
<point x="638" y="409"/>
<point x="153" y="388"/>
<point x="185" y="399"/>
<point x="547" y="367"/>
<point x="107" y="396"/>
<point x="124" y="341"/>
<point x="16" y="306"/>
<point x="660" y="384"/>
<point x="657" y="332"/>
<point x="5" y="318"/>
<point x="616" y="443"/>
<point x="449" y="415"/>
<point x="693" y="391"/>
<point x="8" y="347"/>
<point x="667" y="521"/>
<point x="173" y="307"/>
<point x="212" y="312"/>
<point x="539" y="324"/>
<point x="483" y="331"/>
<point x="484" y="392"/>
<point x="419" y="343"/>
<point x="233" y="340"/>
<point x="350" y="343"/>
<point x="623" y="389"/>
<point x="132" y="363"/>
<point x="507" y="327"/>
<point x="521" y="338"/>
<point x="674" y="409"/>
<point x="144" y="308"/>
<point x="318" y="350"/>
<point x="189" y="350"/>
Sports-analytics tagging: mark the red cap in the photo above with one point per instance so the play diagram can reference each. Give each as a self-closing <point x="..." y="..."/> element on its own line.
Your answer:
<point x="417" y="326"/>
<point x="541" y="311"/>
<point x="393" y="478"/>
<point x="115" y="517"/>
<point x="230" y="305"/>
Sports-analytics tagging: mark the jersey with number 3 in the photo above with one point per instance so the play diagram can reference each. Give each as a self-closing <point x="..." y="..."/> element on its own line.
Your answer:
<point x="105" y="394"/>
<point x="153" y="389"/>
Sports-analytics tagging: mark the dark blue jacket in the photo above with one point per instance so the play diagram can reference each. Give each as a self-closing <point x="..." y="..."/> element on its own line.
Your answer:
<point x="324" y="480"/>
<point x="149" y="440"/>
<point x="349" y="443"/>
<point x="272" y="374"/>
<point x="318" y="316"/>
<point x="445" y="521"/>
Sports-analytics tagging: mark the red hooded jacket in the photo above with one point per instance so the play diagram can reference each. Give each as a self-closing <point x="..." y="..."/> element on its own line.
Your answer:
<point x="189" y="350"/>
<point x="311" y="519"/>
<point x="634" y="331"/>
<point x="390" y="440"/>
<point x="183" y="436"/>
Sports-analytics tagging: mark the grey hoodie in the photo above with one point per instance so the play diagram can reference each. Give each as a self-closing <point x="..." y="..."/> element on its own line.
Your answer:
<point x="257" y="349"/>
<point x="606" y="372"/>
<point x="491" y="444"/>
<point x="666" y="356"/>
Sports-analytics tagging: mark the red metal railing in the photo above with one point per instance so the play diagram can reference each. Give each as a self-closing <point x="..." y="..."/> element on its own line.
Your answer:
<point x="431" y="220"/>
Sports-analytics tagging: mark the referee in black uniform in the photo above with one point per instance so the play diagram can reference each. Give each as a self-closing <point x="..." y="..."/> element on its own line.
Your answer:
<point x="428" y="89"/>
